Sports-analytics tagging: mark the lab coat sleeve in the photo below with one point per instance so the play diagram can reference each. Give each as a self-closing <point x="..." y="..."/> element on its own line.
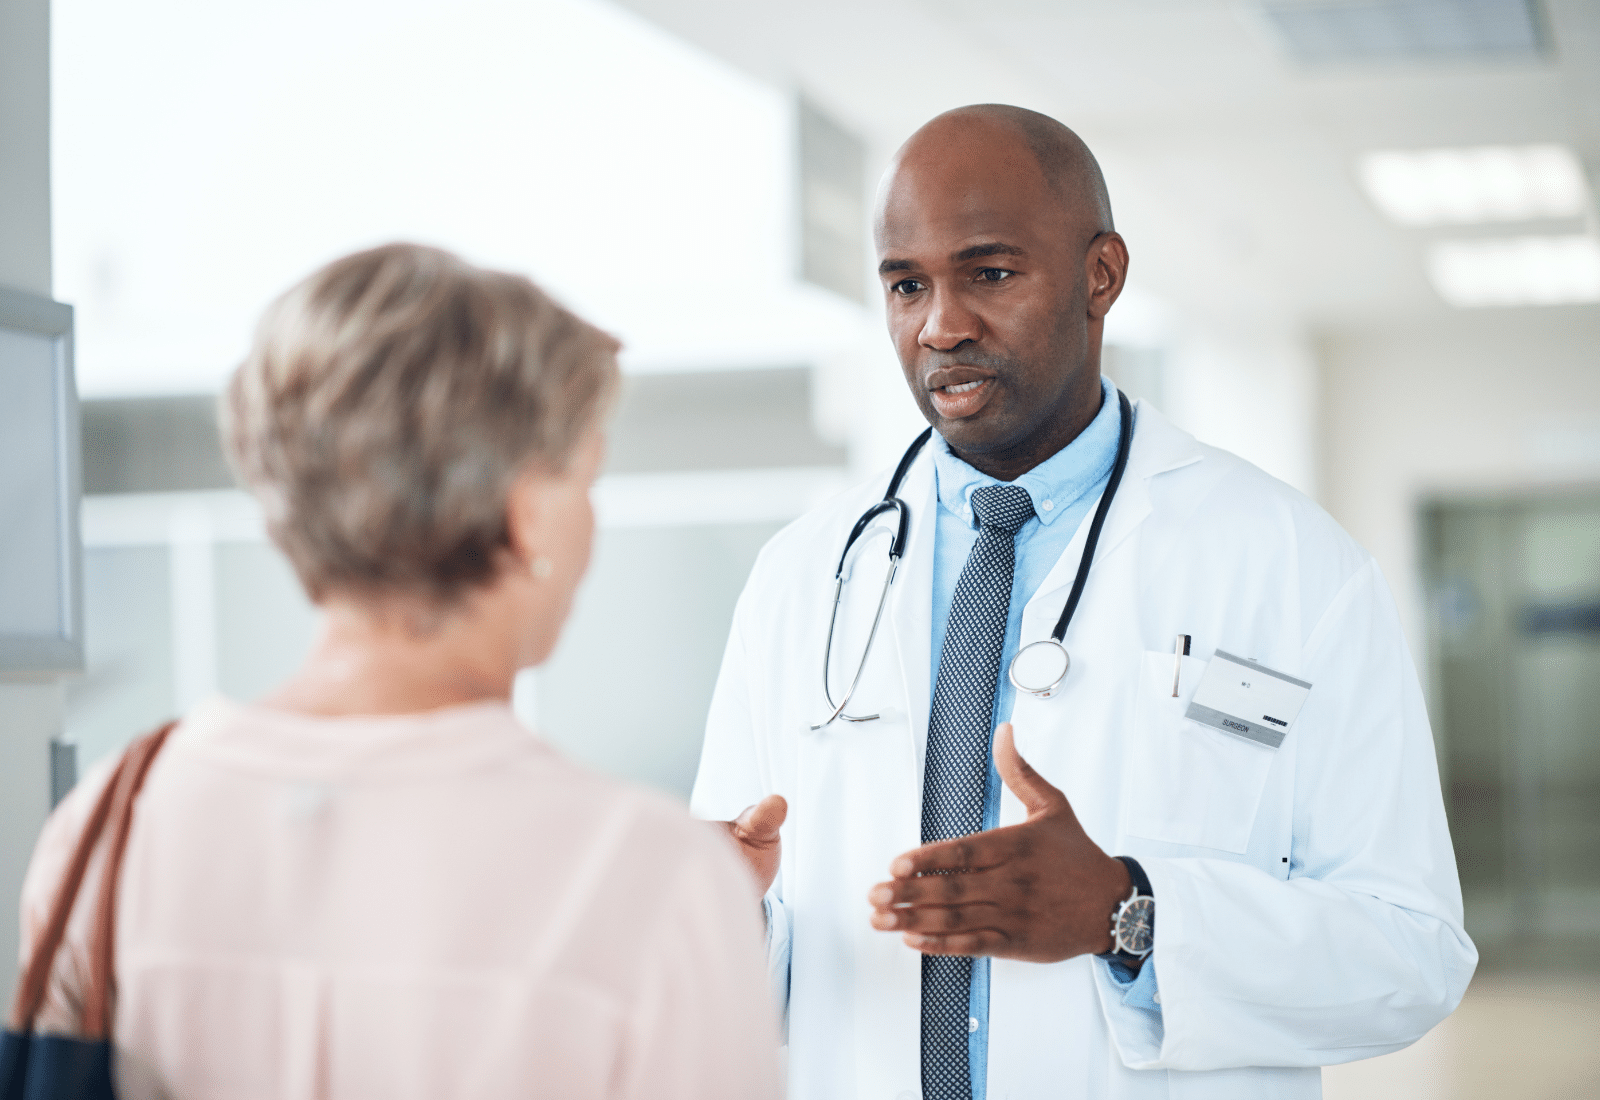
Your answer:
<point x="733" y="770"/>
<point x="1361" y="950"/>
<point x="735" y="773"/>
<point x="778" y="951"/>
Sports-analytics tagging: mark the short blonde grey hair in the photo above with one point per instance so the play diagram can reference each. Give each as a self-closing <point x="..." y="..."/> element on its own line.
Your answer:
<point x="386" y="406"/>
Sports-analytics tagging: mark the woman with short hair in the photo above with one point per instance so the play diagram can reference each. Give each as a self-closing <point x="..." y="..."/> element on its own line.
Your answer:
<point x="374" y="882"/>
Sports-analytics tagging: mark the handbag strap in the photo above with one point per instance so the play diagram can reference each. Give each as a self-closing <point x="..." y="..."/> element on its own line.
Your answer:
<point x="114" y="805"/>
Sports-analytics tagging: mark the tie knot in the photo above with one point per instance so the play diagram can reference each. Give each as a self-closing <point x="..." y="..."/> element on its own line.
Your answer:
<point x="1006" y="507"/>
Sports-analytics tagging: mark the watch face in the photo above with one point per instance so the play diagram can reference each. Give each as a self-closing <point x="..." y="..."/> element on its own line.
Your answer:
<point x="1136" y="926"/>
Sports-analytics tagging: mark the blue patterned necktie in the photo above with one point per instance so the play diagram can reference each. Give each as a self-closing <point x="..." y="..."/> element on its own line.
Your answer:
<point x="957" y="768"/>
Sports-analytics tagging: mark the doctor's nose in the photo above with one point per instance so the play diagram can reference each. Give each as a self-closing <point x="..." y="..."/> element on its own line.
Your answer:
<point x="949" y="324"/>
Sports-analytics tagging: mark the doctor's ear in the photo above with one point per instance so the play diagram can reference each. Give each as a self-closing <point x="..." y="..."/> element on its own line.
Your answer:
<point x="1107" y="264"/>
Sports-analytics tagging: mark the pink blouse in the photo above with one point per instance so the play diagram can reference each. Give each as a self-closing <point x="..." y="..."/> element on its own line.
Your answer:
<point x="433" y="905"/>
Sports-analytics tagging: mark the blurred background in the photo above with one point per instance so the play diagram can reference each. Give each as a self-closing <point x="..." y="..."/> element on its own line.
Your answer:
<point x="1366" y="256"/>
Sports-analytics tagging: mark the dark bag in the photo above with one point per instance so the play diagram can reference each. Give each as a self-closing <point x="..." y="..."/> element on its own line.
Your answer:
<point x="60" y="1067"/>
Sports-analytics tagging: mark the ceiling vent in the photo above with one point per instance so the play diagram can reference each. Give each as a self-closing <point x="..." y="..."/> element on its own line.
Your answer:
<point x="1319" y="32"/>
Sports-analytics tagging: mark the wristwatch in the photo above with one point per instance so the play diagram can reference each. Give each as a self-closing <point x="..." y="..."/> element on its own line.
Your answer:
<point x="1133" y="925"/>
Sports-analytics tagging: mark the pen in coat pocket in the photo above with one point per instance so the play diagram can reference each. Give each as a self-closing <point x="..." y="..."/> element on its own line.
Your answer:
<point x="1179" y="652"/>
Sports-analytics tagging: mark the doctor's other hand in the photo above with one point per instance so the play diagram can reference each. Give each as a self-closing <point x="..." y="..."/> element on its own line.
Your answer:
<point x="756" y="833"/>
<point x="1041" y="891"/>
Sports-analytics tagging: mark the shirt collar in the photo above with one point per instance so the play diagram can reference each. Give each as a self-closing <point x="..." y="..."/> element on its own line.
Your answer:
<point x="1056" y="483"/>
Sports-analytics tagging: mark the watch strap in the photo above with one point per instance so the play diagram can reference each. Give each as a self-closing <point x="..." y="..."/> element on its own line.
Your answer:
<point x="1140" y="880"/>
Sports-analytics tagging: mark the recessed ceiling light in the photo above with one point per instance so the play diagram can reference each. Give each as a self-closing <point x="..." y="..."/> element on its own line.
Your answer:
<point x="1516" y="271"/>
<point x="1488" y="183"/>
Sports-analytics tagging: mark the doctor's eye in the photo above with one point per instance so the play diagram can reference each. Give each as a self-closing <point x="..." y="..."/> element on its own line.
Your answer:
<point x="994" y="274"/>
<point x="905" y="287"/>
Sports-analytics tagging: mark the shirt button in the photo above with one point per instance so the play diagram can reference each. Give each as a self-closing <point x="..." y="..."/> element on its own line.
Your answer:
<point x="1156" y="997"/>
<point x="1048" y="505"/>
<point x="972" y="1024"/>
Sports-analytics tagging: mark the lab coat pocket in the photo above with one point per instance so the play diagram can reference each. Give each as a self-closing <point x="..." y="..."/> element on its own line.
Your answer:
<point x="1187" y="783"/>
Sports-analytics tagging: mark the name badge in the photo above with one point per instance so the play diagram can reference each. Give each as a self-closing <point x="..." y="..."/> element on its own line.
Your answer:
<point x="1247" y="699"/>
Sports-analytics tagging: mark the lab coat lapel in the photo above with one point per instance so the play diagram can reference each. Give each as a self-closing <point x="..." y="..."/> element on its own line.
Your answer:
<point x="911" y="606"/>
<point x="1157" y="447"/>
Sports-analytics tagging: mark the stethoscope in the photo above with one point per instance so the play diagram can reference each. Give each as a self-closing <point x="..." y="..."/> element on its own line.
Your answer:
<point x="1039" y="668"/>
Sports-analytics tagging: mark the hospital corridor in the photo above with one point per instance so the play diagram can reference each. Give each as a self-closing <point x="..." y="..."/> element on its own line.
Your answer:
<point x="382" y="300"/>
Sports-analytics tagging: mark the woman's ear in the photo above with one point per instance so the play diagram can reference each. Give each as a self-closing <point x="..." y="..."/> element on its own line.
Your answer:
<point x="549" y="521"/>
<point x="526" y="519"/>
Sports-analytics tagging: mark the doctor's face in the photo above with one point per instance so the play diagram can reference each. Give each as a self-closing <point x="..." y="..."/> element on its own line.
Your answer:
<point x="996" y="290"/>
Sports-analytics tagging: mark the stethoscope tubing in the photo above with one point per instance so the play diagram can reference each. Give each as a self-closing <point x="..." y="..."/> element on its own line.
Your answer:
<point x="892" y="502"/>
<point x="883" y="599"/>
<point x="1124" y="446"/>
<point x="897" y="546"/>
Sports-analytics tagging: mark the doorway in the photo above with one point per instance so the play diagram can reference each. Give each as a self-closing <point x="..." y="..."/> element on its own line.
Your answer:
<point x="1513" y="590"/>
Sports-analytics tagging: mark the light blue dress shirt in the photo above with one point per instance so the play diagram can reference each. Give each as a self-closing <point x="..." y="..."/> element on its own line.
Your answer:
<point x="1063" y="489"/>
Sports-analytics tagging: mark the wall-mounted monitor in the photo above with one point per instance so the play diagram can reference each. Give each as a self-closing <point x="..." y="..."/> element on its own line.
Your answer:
<point x="41" y="614"/>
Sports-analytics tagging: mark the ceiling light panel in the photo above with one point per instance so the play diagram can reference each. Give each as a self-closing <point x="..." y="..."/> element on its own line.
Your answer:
<point x="1320" y="32"/>
<point x="1516" y="271"/>
<point x="1491" y="183"/>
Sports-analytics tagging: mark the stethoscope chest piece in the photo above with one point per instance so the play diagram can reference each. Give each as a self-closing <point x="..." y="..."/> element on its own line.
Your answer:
<point x="1040" y="668"/>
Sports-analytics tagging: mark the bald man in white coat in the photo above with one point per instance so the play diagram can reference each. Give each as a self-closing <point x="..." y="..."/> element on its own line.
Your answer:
<point x="1157" y="892"/>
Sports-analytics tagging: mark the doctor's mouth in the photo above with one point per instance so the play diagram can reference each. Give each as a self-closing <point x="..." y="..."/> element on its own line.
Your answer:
<point x="961" y="391"/>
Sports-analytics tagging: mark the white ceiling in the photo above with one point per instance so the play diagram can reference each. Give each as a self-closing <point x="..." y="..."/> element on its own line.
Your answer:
<point x="1232" y="170"/>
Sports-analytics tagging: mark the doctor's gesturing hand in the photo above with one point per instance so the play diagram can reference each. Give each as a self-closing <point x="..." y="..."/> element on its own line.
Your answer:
<point x="756" y="833"/>
<point x="1041" y="891"/>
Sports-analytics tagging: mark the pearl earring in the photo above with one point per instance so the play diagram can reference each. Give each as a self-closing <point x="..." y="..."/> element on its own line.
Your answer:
<point x="542" y="569"/>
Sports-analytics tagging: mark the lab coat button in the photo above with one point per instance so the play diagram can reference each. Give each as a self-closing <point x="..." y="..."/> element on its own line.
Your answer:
<point x="972" y="1024"/>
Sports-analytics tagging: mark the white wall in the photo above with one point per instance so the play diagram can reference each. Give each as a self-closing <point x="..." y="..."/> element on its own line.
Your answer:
<point x="1500" y="400"/>
<point x="30" y="713"/>
<point x="184" y="596"/>
<point x="1253" y="393"/>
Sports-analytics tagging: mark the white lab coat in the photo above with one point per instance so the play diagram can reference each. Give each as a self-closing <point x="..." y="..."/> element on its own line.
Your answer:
<point x="1307" y="905"/>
